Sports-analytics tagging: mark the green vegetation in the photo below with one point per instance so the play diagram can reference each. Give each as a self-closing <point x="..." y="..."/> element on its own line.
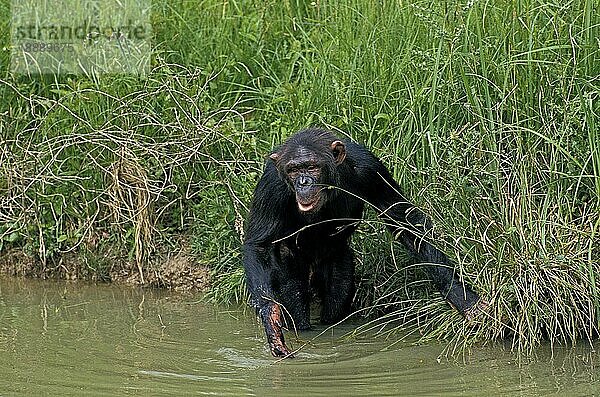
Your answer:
<point x="487" y="112"/>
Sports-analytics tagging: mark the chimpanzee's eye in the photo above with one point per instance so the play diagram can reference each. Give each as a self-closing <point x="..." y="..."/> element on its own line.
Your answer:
<point x="293" y="170"/>
<point x="312" y="168"/>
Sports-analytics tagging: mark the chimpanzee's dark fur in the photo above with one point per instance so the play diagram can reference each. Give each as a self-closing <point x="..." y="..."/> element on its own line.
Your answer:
<point x="288" y="250"/>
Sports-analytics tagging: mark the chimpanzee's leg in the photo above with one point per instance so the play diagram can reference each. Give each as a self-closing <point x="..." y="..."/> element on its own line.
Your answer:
<point x="292" y="290"/>
<point x="334" y="281"/>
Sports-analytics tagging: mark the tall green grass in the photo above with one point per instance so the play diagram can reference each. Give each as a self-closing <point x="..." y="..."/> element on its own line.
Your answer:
<point x="486" y="112"/>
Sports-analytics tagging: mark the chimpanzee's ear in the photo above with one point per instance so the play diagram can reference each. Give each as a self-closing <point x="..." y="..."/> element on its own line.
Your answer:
<point x="339" y="151"/>
<point x="274" y="156"/>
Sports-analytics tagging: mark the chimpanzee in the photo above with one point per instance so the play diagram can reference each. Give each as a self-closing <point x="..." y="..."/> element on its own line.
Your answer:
<point x="306" y="207"/>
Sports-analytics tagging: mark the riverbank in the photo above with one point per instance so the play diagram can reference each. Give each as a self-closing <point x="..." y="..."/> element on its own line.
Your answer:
<point x="176" y="270"/>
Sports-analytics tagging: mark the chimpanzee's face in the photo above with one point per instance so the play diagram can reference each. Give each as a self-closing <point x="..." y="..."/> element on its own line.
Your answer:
<point x="305" y="173"/>
<point x="309" y="171"/>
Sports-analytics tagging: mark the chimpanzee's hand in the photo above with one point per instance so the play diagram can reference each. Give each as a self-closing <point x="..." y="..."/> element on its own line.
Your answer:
<point x="477" y="311"/>
<point x="278" y="348"/>
<point x="271" y="317"/>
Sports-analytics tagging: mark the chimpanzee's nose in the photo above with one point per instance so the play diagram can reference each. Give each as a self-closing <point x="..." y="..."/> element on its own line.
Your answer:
<point x="304" y="180"/>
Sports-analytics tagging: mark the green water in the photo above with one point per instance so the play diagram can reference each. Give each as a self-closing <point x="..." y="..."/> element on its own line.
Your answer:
<point x="64" y="339"/>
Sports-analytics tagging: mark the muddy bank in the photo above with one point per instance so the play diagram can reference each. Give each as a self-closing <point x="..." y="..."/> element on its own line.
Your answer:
<point x="177" y="270"/>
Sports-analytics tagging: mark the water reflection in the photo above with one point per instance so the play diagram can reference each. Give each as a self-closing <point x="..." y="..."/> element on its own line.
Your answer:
<point x="61" y="338"/>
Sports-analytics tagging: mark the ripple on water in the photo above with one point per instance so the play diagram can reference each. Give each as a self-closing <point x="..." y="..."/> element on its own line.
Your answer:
<point x="163" y="374"/>
<point x="238" y="359"/>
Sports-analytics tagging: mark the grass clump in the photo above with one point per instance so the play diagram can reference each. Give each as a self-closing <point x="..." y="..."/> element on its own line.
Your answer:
<point x="486" y="113"/>
<point x="88" y="169"/>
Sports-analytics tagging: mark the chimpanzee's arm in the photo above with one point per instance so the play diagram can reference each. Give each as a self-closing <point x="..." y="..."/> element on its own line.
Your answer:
<point x="258" y="267"/>
<point x="410" y="226"/>
<point x="264" y="225"/>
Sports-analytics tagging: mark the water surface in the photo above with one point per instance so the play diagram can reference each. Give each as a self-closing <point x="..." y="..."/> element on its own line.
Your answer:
<point x="64" y="339"/>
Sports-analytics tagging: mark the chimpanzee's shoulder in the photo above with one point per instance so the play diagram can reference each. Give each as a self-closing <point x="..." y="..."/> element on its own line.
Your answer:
<point x="361" y="158"/>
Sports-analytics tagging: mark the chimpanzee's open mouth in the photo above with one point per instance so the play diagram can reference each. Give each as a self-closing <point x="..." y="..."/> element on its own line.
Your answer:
<point x="307" y="206"/>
